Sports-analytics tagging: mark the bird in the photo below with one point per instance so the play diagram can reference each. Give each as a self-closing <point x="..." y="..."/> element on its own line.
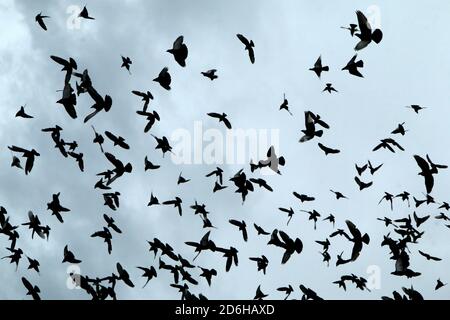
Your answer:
<point x="328" y="150"/>
<point x="361" y="169"/>
<point x="179" y="51"/>
<point x="123" y="275"/>
<point x="218" y="187"/>
<point x="218" y="172"/>
<point x="425" y="172"/>
<point x="208" y="274"/>
<point x="30" y="155"/>
<point x="353" y="28"/>
<point x="211" y="74"/>
<point x="329" y="87"/>
<point x="287" y="243"/>
<point x="146" y="97"/>
<point x="331" y="218"/>
<point x="420" y="220"/>
<point x="303" y="197"/>
<point x="261" y="183"/>
<point x="262" y="262"/>
<point x="110" y="223"/>
<point x="242" y="227"/>
<point x="310" y="129"/>
<point x="353" y="65"/>
<point x="429" y="257"/>
<point x="148" y="165"/>
<point x="372" y="168"/>
<point x="56" y="208"/>
<point x="107" y="237"/>
<point x="259" y="295"/>
<point x="272" y="161"/>
<point x="222" y="118"/>
<point x="85" y="14"/>
<point x="33" y="264"/>
<point x="176" y="204"/>
<point x="22" y="114"/>
<point x="416" y="108"/>
<point x="289" y="211"/>
<point x="400" y="129"/>
<point x="117" y="140"/>
<point x="318" y="68"/>
<point x="69" y="257"/>
<point x="163" y="144"/>
<point x="98" y="139"/>
<point x="149" y="273"/>
<point x="40" y="20"/>
<point x="287" y="290"/>
<point x="260" y="230"/>
<point x="182" y="179"/>
<point x="126" y="63"/>
<point x="164" y="79"/>
<point x="338" y="195"/>
<point x="285" y="105"/>
<point x="32" y="291"/>
<point x="439" y="284"/>
<point x="388" y="197"/>
<point x="388" y="143"/>
<point x="249" y="45"/>
<point x="366" y="35"/>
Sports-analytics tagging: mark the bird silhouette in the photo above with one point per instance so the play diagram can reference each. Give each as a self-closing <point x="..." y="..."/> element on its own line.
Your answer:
<point x="85" y="14"/>
<point x="262" y="262"/>
<point x="211" y="74"/>
<point x="328" y="150"/>
<point x="117" y="140"/>
<point x="32" y="291"/>
<point x="318" y="68"/>
<point x="353" y="28"/>
<point x="416" y="108"/>
<point x="260" y="230"/>
<point x="179" y="51"/>
<point x="22" y="114"/>
<point x="149" y="273"/>
<point x="310" y="129"/>
<point x="56" y="208"/>
<point x="287" y="290"/>
<point x="329" y="88"/>
<point x="353" y="65"/>
<point x="164" y="79"/>
<point x="40" y="20"/>
<point x="222" y="118"/>
<point x="285" y="105"/>
<point x="69" y="257"/>
<point x="366" y="35"/>
<point x="242" y="227"/>
<point x="249" y="45"/>
<point x="126" y="63"/>
<point x="259" y="295"/>
<point x="30" y="155"/>
<point x="176" y="203"/>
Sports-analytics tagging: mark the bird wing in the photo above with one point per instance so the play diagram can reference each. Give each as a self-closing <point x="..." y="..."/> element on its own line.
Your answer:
<point x="243" y="39"/>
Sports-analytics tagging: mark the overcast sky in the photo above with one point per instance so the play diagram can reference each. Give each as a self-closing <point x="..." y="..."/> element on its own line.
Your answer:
<point x="410" y="66"/>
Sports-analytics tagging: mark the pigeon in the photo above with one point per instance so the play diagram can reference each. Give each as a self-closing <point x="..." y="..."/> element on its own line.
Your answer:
<point x="179" y="51"/>
<point x="40" y="20"/>
<point x="249" y="45"/>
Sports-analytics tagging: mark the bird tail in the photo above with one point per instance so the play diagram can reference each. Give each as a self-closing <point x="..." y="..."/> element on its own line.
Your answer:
<point x="326" y="68"/>
<point x="318" y="133"/>
<point x="366" y="238"/>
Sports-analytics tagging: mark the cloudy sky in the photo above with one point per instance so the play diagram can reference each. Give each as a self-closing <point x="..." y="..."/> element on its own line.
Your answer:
<point x="410" y="66"/>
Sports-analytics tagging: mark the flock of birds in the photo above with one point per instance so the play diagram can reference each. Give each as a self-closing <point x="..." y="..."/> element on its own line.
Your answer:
<point x="402" y="231"/>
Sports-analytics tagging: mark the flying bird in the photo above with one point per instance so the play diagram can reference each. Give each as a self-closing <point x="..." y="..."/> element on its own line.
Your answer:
<point x="249" y="45"/>
<point x="366" y="35"/>
<point x="179" y="51"/>
<point x="40" y="20"/>
<point x="211" y="74"/>
<point x="353" y="65"/>
<point x="318" y="68"/>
